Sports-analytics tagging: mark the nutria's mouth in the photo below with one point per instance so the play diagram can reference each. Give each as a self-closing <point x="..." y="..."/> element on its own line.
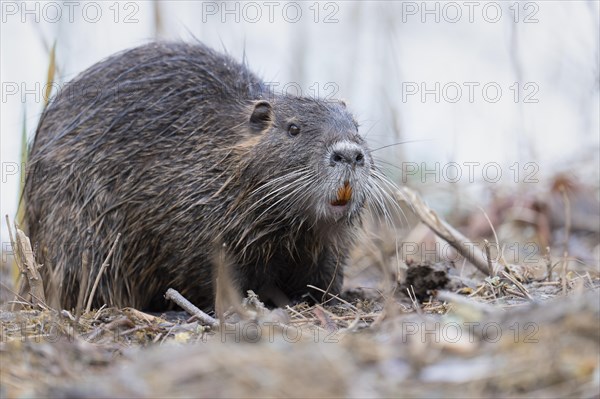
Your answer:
<point x="344" y="195"/>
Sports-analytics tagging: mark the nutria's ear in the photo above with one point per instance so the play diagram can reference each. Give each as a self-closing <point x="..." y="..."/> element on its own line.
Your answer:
<point x="262" y="116"/>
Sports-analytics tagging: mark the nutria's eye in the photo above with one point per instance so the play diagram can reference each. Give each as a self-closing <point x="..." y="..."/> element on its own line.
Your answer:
<point x="293" y="130"/>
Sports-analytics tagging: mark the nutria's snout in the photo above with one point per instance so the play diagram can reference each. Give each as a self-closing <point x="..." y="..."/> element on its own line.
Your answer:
<point x="349" y="174"/>
<point x="347" y="153"/>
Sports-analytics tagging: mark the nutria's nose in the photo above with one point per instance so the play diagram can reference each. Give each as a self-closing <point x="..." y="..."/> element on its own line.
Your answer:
<point x="347" y="153"/>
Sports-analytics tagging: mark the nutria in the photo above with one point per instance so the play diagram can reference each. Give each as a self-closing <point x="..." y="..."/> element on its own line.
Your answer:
<point x="179" y="149"/>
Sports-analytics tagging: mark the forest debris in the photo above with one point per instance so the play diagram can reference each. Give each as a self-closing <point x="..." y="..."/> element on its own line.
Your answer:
<point x="501" y="352"/>
<point x="425" y="278"/>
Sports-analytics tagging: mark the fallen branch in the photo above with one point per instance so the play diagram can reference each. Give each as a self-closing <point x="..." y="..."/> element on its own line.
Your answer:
<point x="443" y="230"/>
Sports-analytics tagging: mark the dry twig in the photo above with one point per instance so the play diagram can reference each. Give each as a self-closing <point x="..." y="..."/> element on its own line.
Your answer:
<point x="189" y="307"/>
<point x="443" y="230"/>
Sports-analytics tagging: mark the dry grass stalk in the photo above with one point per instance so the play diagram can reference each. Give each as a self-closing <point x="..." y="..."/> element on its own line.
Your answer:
<point x="85" y="274"/>
<point x="443" y="230"/>
<point x="549" y="266"/>
<point x="100" y="273"/>
<point x="501" y="259"/>
<point x="413" y="299"/>
<point x="31" y="286"/>
<point x="227" y="296"/>
<point x="50" y="76"/>
<point x="489" y="258"/>
<point x="567" y="232"/>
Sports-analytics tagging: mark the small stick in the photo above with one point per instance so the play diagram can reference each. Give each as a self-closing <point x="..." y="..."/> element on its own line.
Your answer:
<point x="102" y="268"/>
<point x="413" y="299"/>
<point x="489" y="257"/>
<point x="99" y="312"/>
<point x="189" y="307"/>
<point x="542" y="283"/>
<point x="296" y="312"/>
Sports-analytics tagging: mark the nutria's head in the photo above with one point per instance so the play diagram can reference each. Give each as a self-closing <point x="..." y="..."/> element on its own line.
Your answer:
<point x="307" y="161"/>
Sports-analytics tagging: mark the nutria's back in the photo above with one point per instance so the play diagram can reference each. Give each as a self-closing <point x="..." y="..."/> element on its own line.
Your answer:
<point x="178" y="148"/>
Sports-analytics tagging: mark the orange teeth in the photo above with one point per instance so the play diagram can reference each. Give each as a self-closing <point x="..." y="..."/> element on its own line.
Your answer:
<point x="344" y="194"/>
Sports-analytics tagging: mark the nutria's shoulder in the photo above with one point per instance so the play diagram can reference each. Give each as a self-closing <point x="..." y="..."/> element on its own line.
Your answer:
<point x="177" y="66"/>
<point x="162" y="53"/>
